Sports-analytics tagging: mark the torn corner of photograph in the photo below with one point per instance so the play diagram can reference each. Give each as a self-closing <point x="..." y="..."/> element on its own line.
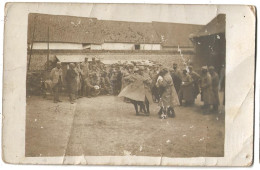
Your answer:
<point x="128" y="84"/>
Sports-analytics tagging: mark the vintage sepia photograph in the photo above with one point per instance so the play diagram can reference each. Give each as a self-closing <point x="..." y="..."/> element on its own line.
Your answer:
<point x="99" y="87"/>
<point x="128" y="84"/>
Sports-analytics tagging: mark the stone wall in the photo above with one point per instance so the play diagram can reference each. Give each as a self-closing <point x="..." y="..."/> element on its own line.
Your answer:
<point x="167" y="59"/>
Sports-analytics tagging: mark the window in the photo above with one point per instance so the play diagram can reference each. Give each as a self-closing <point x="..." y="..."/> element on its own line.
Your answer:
<point x="137" y="46"/>
<point x="86" y="46"/>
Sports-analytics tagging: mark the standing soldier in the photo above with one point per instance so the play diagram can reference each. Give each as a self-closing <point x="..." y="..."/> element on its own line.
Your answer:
<point x="85" y="66"/>
<point x="56" y="77"/>
<point x="93" y="63"/>
<point x="105" y="84"/>
<point x="79" y="80"/>
<point x="113" y="81"/>
<point x="169" y="98"/>
<point x="195" y="77"/>
<point x="71" y="78"/>
<point x="85" y="73"/>
<point x="176" y="77"/>
<point x="206" y="89"/>
<point x="215" y="83"/>
<point x="186" y="90"/>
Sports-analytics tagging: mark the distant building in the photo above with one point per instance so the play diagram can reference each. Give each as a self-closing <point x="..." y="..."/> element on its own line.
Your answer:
<point x="78" y="37"/>
<point x="79" y="33"/>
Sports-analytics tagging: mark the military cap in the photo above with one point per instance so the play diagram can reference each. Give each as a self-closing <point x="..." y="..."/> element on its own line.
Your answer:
<point x="204" y="68"/>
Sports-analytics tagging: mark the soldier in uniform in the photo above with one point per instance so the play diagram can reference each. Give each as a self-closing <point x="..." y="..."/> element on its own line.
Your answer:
<point x="186" y="90"/>
<point x="85" y="67"/>
<point x="196" y="78"/>
<point x="71" y="78"/>
<point x="118" y="80"/>
<point x="79" y="80"/>
<point x="137" y="92"/>
<point x="56" y="78"/>
<point x="85" y="72"/>
<point x="206" y="89"/>
<point x="92" y="85"/>
<point x="113" y="80"/>
<point x="215" y="83"/>
<point x="105" y="84"/>
<point x="154" y="73"/>
<point x="169" y="98"/>
<point x="93" y="63"/>
<point x="176" y="77"/>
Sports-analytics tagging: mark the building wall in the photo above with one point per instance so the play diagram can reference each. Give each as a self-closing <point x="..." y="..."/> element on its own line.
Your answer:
<point x="176" y="48"/>
<point x="105" y="46"/>
<point x="58" y="46"/>
<point x="150" y="46"/>
<point x="117" y="46"/>
<point x="166" y="59"/>
<point x="96" y="47"/>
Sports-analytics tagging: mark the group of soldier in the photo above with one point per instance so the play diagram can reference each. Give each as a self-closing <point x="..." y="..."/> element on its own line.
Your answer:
<point x="89" y="78"/>
<point x="167" y="86"/>
<point x="189" y="84"/>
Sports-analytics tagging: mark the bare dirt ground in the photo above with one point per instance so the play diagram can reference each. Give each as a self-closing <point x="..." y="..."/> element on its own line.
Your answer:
<point x="106" y="125"/>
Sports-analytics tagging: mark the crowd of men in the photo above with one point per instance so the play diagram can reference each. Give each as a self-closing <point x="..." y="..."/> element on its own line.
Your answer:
<point x="92" y="78"/>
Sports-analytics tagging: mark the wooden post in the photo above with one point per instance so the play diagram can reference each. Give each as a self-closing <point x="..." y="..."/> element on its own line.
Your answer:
<point x="48" y="53"/>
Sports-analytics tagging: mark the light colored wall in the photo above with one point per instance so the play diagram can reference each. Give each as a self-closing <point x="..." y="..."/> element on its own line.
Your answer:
<point x="95" y="47"/>
<point x="176" y="48"/>
<point x="117" y="46"/>
<point x="105" y="46"/>
<point x="57" y="46"/>
<point x="150" y="47"/>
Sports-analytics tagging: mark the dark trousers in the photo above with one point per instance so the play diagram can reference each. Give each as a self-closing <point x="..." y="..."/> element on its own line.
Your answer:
<point x="56" y="92"/>
<point x="72" y="90"/>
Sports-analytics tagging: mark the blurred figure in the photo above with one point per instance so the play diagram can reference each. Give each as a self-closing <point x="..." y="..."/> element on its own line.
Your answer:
<point x="222" y="78"/>
<point x="215" y="83"/>
<point x="154" y="74"/>
<point x="195" y="80"/>
<point x="85" y="73"/>
<point x="176" y="77"/>
<point x="79" y="80"/>
<point x="137" y="92"/>
<point x="169" y="98"/>
<point x="56" y="78"/>
<point x="105" y="84"/>
<point x="206" y="89"/>
<point x="113" y="81"/>
<point x="186" y="89"/>
<point x="71" y="79"/>
<point x="222" y="81"/>
<point x="93" y="86"/>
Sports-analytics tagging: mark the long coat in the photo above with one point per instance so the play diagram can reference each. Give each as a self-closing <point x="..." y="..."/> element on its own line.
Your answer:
<point x="186" y="90"/>
<point x="78" y="78"/>
<point x="56" y="76"/>
<point x="137" y="90"/>
<point x="195" y="77"/>
<point x="176" y="77"/>
<point x="85" y="69"/>
<point x="215" y="83"/>
<point x="71" y="78"/>
<point x="206" y="89"/>
<point x="169" y="96"/>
